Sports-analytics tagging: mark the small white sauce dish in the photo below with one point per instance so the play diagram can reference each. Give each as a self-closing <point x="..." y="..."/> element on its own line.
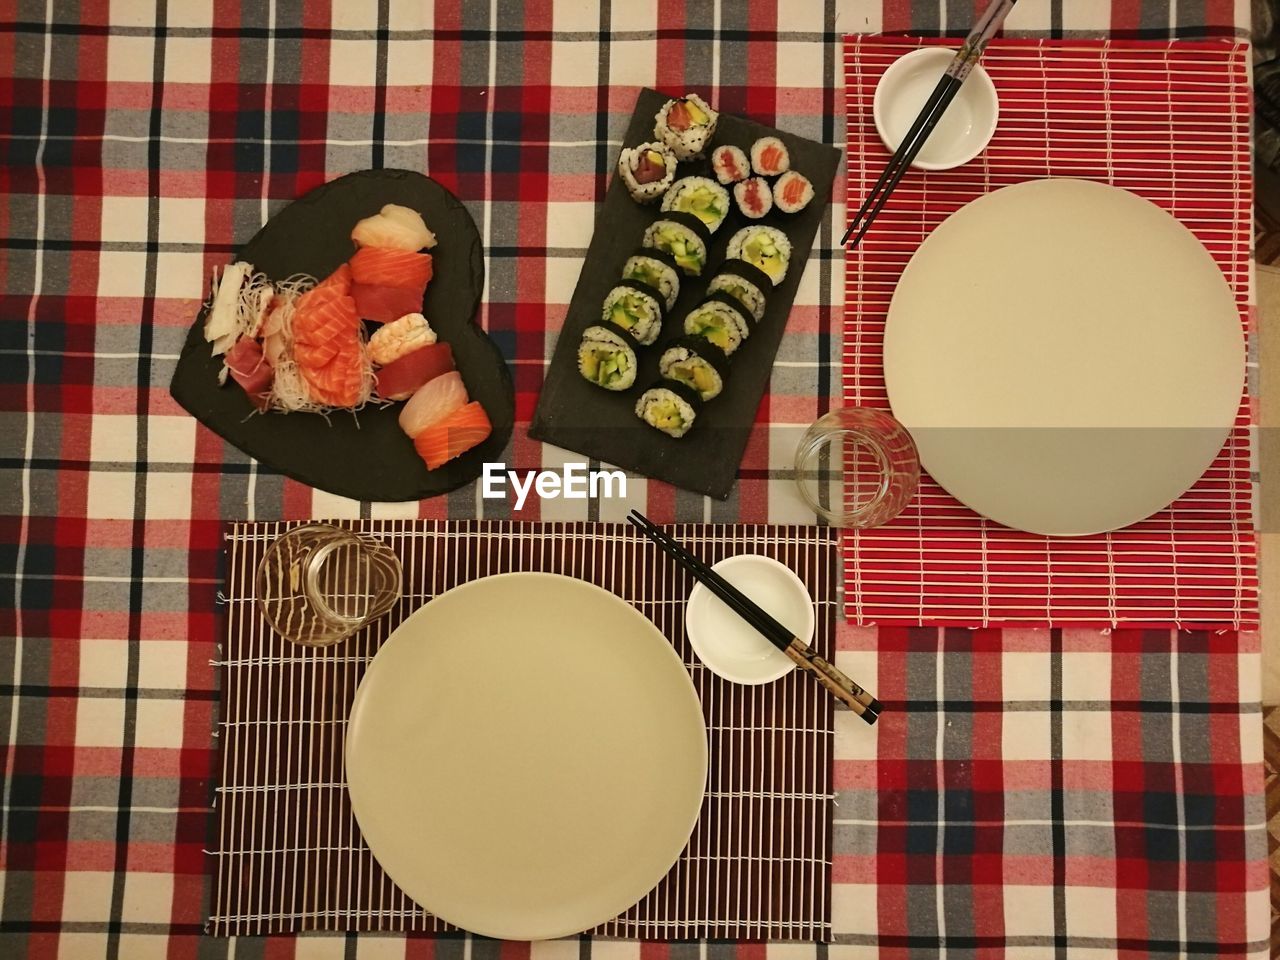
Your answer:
<point x="965" y="128"/>
<point x="727" y="644"/>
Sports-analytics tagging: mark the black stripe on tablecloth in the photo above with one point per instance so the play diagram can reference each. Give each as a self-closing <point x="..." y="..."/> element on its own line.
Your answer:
<point x="1057" y="797"/>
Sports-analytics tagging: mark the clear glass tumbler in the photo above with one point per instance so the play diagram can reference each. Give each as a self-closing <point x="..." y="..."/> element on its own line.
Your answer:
<point x="857" y="467"/>
<point x="318" y="584"/>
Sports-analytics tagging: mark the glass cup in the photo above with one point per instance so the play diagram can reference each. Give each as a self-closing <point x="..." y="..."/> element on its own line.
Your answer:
<point x="318" y="584"/>
<point x="857" y="467"/>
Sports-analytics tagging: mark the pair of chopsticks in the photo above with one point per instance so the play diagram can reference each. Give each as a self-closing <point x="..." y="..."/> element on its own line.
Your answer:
<point x="858" y="700"/>
<point x="970" y="52"/>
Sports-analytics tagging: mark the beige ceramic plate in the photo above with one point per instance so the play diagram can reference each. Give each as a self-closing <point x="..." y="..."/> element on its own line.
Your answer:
<point x="1067" y="356"/>
<point x="526" y="756"/>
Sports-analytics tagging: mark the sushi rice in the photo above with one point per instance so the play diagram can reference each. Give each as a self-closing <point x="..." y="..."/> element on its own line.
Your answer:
<point x="730" y="164"/>
<point x="637" y="308"/>
<point x="656" y="270"/>
<point x="669" y="406"/>
<point x="769" y="157"/>
<point x="765" y="248"/>
<point x="720" y="320"/>
<point x="792" y="192"/>
<point x="744" y="283"/>
<point x="682" y="236"/>
<point x="687" y="137"/>
<point x="646" y="157"/>
<point x="700" y="196"/>
<point x="607" y="357"/>
<point x="697" y="363"/>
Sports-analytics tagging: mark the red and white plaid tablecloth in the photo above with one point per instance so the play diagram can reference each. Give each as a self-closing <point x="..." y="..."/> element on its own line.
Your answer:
<point x="1027" y="792"/>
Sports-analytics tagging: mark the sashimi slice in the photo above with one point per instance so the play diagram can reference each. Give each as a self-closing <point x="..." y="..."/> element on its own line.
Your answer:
<point x="384" y="304"/>
<point x="333" y="319"/>
<point x="379" y="267"/>
<point x="316" y="355"/>
<point x="394" y="228"/>
<point x="401" y="378"/>
<point x="435" y="400"/>
<point x="452" y="436"/>
<point x="342" y="382"/>
<point x="340" y="278"/>
<point x="249" y="368"/>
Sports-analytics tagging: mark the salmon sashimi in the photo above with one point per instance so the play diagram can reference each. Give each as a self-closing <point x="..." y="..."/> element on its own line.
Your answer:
<point x="334" y="319"/>
<point x="340" y="278"/>
<point x="380" y="267"/>
<point x="435" y="400"/>
<point x="342" y="382"/>
<point x="401" y="378"/>
<point x="453" y="435"/>
<point x="385" y="304"/>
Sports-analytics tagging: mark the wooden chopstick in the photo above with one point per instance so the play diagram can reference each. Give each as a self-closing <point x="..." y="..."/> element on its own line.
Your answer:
<point x="857" y="699"/>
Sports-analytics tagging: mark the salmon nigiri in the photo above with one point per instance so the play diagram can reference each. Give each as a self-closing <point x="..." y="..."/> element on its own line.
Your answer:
<point x="380" y="267"/>
<point x="453" y="436"/>
<point x="434" y="401"/>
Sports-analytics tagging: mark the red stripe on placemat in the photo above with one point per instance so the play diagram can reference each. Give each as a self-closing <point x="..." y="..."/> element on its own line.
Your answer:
<point x="1078" y="109"/>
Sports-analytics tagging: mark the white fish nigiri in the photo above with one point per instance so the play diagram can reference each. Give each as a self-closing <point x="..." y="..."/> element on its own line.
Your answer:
<point x="434" y="400"/>
<point x="394" y="228"/>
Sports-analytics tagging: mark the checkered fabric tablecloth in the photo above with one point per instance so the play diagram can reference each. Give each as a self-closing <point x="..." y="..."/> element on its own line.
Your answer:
<point x="1032" y="792"/>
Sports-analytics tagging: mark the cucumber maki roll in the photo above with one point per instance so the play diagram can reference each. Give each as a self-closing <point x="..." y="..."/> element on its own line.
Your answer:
<point x="696" y="363"/>
<point x="607" y="357"/>
<point x="669" y="406"/>
<point x="637" y="308"/>
<point x="682" y="236"/>
<point x="654" y="269"/>
<point x="685" y="125"/>
<point x="721" y="320"/>
<point x="765" y="248"/>
<point x="700" y="196"/>
<point x="647" y="170"/>
<point x="745" y="283"/>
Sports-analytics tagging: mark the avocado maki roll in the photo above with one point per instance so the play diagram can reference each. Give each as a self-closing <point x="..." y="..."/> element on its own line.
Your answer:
<point x="696" y="363"/>
<point x="637" y="308"/>
<point x="669" y="406"/>
<point x="607" y="357"/>
<point x="765" y="248"/>
<point x="647" y="170"/>
<point x="685" y="125"/>
<point x="700" y="196"/>
<point x="721" y="320"/>
<point x="682" y="236"/>
<point x="654" y="269"/>
<point x="745" y="283"/>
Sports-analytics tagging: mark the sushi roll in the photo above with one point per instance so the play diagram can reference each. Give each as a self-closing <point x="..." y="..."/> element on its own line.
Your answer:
<point x="720" y="320"/>
<point x="700" y="196"/>
<point x="753" y="197"/>
<point x="669" y="406"/>
<point x="730" y="164"/>
<point x="765" y="248"/>
<point x="654" y="269"/>
<point x="607" y="357"/>
<point x="745" y="283"/>
<point x="647" y="170"/>
<point x="792" y="192"/>
<point x="637" y="308"/>
<point x="696" y="363"/>
<point x="682" y="236"/>
<point x="769" y="157"/>
<point x="685" y="125"/>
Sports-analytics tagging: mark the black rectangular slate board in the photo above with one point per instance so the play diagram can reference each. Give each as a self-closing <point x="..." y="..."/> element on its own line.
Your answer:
<point x="578" y="416"/>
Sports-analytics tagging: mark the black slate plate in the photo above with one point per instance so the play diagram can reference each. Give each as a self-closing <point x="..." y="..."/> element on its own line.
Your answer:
<point x="572" y="413"/>
<point x="368" y="459"/>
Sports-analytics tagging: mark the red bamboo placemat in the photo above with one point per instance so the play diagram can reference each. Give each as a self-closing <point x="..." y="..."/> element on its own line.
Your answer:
<point x="1168" y="121"/>
<point x="290" y="856"/>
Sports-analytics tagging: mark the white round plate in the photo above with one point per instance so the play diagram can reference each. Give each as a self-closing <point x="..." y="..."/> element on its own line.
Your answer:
<point x="526" y="756"/>
<point x="727" y="644"/>
<point x="1066" y="355"/>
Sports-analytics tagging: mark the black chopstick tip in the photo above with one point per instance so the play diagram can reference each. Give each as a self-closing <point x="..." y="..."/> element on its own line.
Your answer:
<point x="872" y="713"/>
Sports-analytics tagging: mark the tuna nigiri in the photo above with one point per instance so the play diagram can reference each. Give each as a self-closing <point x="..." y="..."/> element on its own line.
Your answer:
<point x="394" y="228"/>
<point x="452" y="436"/>
<point x="435" y="400"/>
<point x="384" y="304"/>
<point x="399" y="379"/>
<point x="379" y="267"/>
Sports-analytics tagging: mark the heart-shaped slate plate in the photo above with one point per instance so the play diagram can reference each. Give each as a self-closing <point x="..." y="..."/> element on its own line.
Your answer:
<point x="365" y="456"/>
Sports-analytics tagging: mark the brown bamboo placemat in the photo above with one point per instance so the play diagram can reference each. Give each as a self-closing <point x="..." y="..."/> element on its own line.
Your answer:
<point x="290" y="856"/>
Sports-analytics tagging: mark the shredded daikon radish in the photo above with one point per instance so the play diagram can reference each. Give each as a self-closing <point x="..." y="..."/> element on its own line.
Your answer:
<point x="254" y="302"/>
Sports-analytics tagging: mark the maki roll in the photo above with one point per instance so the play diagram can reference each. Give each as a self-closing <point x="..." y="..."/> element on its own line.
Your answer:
<point x="669" y="406"/>
<point x="696" y="363"/>
<point x="700" y="196"/>
<point x="730" y="164"/>
<point x="647" y="170"/>
<point x="769" y="157"/>
<point x="753" y="197"/>
<point x="765" y="248"/>
<point x="637" y="308"/>
<point x="745" y="283"/>
<point x="792" y="192"/>
<point x="656" y="270"/>
<point x="685" y="125"/>
<point x="682" y="236"/>
<point x="720" y="320"/>
<point x="607" y="357"/>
